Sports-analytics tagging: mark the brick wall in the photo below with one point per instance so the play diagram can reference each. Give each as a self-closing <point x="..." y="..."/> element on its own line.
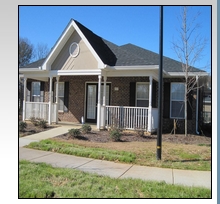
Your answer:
<point x="119" y="97"/>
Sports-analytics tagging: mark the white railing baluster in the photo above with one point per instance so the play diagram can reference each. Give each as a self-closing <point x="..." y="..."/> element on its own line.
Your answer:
<point x="126" y="117"/>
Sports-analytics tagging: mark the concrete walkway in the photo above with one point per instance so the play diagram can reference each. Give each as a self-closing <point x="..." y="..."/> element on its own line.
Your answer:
<point x="112" y="169"/>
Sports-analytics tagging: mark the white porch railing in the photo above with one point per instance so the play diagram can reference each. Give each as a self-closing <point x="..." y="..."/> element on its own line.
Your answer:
<point x="133" y="118"/>
<point x="125" y="117"/>
<point x="40" y="110"/>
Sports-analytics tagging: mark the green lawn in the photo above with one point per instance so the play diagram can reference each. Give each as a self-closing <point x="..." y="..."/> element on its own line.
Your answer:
<point x="39" y="180"/>
<point x="191" y="157"/>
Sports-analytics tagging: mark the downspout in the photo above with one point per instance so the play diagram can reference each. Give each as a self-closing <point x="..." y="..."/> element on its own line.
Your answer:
<point x="197" y="106"/>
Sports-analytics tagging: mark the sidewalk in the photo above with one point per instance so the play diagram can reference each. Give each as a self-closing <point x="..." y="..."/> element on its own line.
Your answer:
<point x="112" y="169"/>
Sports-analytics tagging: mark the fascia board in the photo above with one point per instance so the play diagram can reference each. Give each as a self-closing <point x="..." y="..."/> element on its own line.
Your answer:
<point x="57" y="44"/>
<point x="29" y="69"/>
<point x="65" y="35"/>
<point x="100" y="63"/>
<point x="144" y="67"/>
<point x="182" y="74"/>
<point x="75" y="72"/>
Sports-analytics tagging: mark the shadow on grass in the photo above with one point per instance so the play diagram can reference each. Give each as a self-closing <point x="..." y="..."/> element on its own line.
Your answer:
<point x="188" y="160"/>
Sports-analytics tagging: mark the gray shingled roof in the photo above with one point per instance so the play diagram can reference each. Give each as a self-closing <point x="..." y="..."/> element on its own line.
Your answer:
<point x="125" y="55"/>
<point x="152" y="58"/>
<point x="35" y="64"/>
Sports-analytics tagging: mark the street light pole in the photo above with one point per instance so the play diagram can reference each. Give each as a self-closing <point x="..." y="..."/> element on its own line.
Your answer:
<point x="160" y="94"/>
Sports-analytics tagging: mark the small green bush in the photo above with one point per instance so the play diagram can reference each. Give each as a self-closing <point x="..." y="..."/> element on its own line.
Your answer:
<point x="86" y="128"/>
<point x="140" y="133"/>
<point x="34" y="121"/>
<point x="39" y="122"/>
<point x="115" y="135"/>
<point x="42" y="123"/>
<point x="22" y="126"/>
<point x="74" y="132"/>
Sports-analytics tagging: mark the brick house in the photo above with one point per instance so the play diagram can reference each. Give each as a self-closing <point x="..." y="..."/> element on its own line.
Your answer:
<point x="87" y="77"/>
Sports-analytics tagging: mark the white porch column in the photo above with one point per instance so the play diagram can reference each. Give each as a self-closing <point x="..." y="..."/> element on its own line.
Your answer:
<point x="99" y="103"/>
<point x="103" y="112"/>
<point x="104" y="91"/>
<point x="24" y="99"/>
<point x="150" y="105"/>
<point x="50" y="102"/>
<point x="57" y="91"/>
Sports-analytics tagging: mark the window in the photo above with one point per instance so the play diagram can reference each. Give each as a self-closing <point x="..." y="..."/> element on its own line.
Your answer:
<point x="60" y="95"/>
<point x="35" y="92"/>
<point x="142" y="94"/>
<point x="177" y="107"/>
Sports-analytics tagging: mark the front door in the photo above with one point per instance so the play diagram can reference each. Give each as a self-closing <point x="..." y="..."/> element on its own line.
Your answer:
<point x="92" y="101"/>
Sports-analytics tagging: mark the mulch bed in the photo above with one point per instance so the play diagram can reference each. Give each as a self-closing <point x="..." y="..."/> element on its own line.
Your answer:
<point x="129" y="136"/>
<point x="32" y="129"/>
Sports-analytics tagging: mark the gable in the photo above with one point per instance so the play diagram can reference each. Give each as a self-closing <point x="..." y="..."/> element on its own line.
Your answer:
<point x="84" y="60"/>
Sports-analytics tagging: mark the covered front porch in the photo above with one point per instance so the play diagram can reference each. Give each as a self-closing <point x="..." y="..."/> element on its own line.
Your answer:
<point x="108" y="114"/>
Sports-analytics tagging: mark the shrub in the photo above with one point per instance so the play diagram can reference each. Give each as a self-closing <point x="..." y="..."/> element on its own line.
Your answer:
<point x="86" y="128"/>
<point x="140" y="133"/>
<point x="74" y="132"/>
<point x="22" y="126"/>
<point x="34" y="121"/>
<point x="42" y="123"/>
<point x="115" y="134"/>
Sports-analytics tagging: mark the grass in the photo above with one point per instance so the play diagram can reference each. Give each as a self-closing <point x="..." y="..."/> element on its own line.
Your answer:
<point x="39" y="180"/>
<point x="177" y="156"/>
<point x="72" y="149"/>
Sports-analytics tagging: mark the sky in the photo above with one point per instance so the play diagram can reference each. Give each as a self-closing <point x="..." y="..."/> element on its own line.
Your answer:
<point x="138" y="25"/>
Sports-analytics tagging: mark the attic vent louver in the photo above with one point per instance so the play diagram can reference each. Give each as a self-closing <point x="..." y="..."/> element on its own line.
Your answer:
<point x="74" y="49"/>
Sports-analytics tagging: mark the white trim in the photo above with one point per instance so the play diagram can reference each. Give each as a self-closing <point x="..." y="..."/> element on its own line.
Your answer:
<point x="77" y="50"/>
<point x="50" y="102"/>
<point x="71" y="27"/>
<point x="133" y="73"/>
<point x="100" y="63"/>
<point x="182" y="74"/>
<point x="137" y="67"/>
<point x="99" y="103"/>
<point x="29" y="70"/>
<point x="61" y="40"/>
<point x="75" y="72"/>
<point x="150" y="104"/>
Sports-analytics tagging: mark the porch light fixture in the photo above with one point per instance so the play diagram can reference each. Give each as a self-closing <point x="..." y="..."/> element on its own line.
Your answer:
<point x="74" y="49"/>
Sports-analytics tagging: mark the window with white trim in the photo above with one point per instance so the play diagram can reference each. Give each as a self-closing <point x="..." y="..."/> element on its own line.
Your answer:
<point x="35" y="92"/>
<point x="142" y="94"/>
<point x="177" y="96"/>
<point x="60" y="95"/>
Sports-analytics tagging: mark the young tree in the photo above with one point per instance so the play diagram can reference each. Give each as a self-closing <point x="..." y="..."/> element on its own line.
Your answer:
<point x="26" y="51"/>
<point x="26" y="54"/>
<point x="189" y="49"/>
<point x="41" y="51"/>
